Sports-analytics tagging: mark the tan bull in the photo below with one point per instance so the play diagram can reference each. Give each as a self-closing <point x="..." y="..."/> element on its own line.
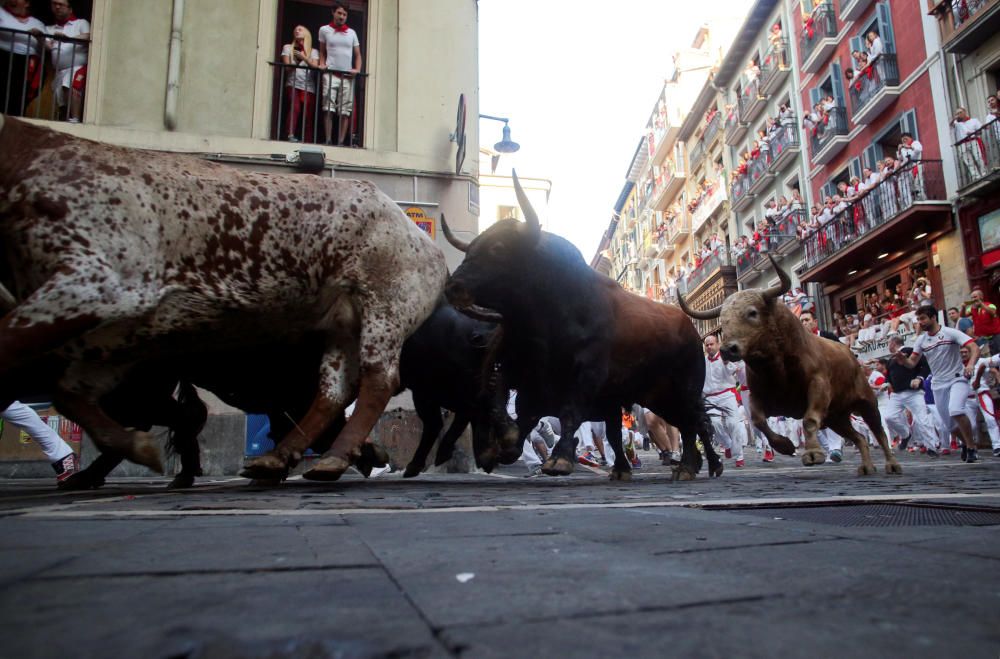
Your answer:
<point x="792" y="372"/>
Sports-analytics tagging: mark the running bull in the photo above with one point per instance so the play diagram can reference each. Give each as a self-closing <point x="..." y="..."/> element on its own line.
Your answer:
<point x="577" y="345"/>
<point x="792" y="372"/>
<point x="120" y="255"/>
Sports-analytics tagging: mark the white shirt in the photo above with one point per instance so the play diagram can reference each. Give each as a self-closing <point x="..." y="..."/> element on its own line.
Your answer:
<point x="873" y="180"/>
<point x="719" y="376"/>
<point x="68" y="55"/>
<point x="339" y="47"/>
<point x="941" y="351"/>
<point x="875" y="50"/>
<point x="878" y="384"/>
<point x="965" y="128"/>
<point x="301" y="78"/>
<point x="908" y="154"/>
<point x="19" y="44"/>
<point x="987" y="380"/>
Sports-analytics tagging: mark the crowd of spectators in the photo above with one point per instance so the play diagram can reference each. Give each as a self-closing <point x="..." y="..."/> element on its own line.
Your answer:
<point x="781" y="221"/>
<point x="881" y="316"/>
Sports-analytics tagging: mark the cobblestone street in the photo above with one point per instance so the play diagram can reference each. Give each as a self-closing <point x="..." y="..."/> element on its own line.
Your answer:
<point x="503" y="565"/>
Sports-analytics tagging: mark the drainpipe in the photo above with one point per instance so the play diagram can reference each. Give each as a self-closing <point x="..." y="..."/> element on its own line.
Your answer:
<point x="174" y="66"/>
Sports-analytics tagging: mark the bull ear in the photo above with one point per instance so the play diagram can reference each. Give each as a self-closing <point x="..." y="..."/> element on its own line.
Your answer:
<point x="456" y="242"/>
<point x="783" y="286"/>
<point x="711" y="314"/>
<point x="530" y="217"/>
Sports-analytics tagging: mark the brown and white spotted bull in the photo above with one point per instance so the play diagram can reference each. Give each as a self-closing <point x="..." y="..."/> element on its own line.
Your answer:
<point x="792" y="372"/>
<point x="119" y="255"/>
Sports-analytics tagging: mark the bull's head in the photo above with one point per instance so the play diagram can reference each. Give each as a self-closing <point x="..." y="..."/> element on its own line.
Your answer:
<point x="494" y="263"/>
<point x="747" y="317"/>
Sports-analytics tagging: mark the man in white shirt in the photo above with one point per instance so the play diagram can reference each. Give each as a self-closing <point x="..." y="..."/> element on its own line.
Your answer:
<point x="69" y="58"/>
<point x="909" y="154"/>
<point x="340" y="54"/>
<point x="720" y="399"/>
<point x="983" y="379"/>
<point x="942" y="347"/>
<point x="970" y="145"/>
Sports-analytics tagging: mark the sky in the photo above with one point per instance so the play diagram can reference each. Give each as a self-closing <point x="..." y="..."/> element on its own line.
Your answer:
<point x="578" y="81"/>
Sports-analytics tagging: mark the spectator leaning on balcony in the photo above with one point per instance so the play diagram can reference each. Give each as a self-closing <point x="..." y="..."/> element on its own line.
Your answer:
<point x="875" y="51"/>
<point x="340" y="53"/>
<point x="69" y="59"/>
<point x="971" y="151"/>
<point x="18" y="55"/>
<point x="985" y="322"/>
<point x="911" y="183"/>
<point x="301" y="84"/>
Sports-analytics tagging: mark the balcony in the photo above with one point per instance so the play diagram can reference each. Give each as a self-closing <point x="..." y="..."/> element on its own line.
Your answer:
<point x="830" y="137"/>
<point x="708" y="285"/>
<point x="780" y="240"/>
<point x="739" y="192"/>
<point x="674" y="178"/>
<point x="679" y="226"/>
<point x="875" y="88"/>
<point x="712" y="129"/>
<point x="774" y="68"/>
<point x="852" y="9"/>
<point x="819" y="38"/>
<point x="784" y="147"/>
<point x="759" y="173"/>
<point x="735" y="129"/>
<point x="698" y="153"/>
<point x="967" y="24"/>
<point x="978" y="158"/>
<point x="26" y="89"/>
<point x="662" y="132"/>
<point x="664" y="247"/>
<point x="707" y="268"/>
<point x="708" y="205"/>
<point x="298" y="117"/>
<point x="911" y="204"/>
<point x="751" y="102"/>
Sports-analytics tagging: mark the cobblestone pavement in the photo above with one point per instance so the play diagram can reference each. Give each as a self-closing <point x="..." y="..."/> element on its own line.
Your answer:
<point x="757" y="563"/>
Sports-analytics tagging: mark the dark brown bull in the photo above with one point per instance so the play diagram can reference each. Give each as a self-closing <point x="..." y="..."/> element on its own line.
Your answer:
<point x="792" y="372"/>
<point x="577" y="345"/>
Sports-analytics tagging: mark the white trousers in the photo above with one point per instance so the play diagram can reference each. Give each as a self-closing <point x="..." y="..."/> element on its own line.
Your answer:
<point x="759" y="439"/>
<point x="727" y="421"/>
<point x="531" y="459"/>
<point x="48" y="439"/>
<point x="922" y="431"/>
<point x="943" y="429"/>
<point x="983" y="402"/>
<point x="829" y="440"/>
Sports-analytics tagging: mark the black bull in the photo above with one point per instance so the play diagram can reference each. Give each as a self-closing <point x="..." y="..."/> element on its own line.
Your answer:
<point x="577" y="345"/>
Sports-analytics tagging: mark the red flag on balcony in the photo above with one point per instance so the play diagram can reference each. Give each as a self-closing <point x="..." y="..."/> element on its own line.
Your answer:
<point x="808" y="26"/>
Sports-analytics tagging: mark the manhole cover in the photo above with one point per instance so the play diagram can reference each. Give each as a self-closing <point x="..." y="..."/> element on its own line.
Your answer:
<point x="880" y="514"/>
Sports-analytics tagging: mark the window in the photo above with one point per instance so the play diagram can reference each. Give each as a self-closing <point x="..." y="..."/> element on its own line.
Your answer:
<point x="507" y="213"/>
<point x="830" y="187"/>
<point x="301" y="115"/>
<point x="881" y="24"/>
<point x="886" y="142"/>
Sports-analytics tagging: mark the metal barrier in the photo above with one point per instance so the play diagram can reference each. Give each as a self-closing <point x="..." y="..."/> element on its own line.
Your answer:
<point x="318" y="106"/>
<point x="42" y="77"/>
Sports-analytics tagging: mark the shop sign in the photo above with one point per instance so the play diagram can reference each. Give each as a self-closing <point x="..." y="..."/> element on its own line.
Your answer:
<point x="417" y="215"/>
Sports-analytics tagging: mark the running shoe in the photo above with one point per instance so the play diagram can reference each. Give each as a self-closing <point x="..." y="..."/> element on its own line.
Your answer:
<point x="665" y="458"/>
<point x="923" y="449"/>
<point x="675" y="458"/>
<point x="768" y="455"/>
<point x="996" y="453"/>
<point x="901" y="444"/>
<point x="588" y="459"/>
<point x="836" y="455"/>
<point x="965" y="453"/>
<point x="954" y="443"/>
<point x="973" y="456"/>
<point x="636" y="463"/>
<point x="66" y="467"/>
<point x="740" y="463"/>
<point x="931" y="453"/>
<point x="729" y="453"/>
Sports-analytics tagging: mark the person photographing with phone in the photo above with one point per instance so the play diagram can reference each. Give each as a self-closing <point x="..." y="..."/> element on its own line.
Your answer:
<point x="301" y="83"/>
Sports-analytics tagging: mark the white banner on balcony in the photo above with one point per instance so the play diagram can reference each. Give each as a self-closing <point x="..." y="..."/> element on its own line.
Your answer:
<point x="708" y="206"/>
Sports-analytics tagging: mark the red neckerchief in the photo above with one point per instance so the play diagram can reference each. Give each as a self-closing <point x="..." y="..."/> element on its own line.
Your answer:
<point x="339" y="28"/>
<point x="68" y="19"/>
<point x="716" y="358"/>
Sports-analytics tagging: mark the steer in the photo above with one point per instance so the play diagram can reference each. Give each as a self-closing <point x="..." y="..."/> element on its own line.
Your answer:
<point x="577" y="345"/>
<point x="120" y="255"/>
<point x="794" y="373"/>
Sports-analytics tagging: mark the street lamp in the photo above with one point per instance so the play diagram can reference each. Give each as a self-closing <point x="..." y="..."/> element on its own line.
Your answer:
<point x="505" y="145"/>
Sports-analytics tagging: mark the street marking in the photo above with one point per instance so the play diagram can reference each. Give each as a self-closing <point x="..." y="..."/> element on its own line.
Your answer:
<point x="61" y="512"/>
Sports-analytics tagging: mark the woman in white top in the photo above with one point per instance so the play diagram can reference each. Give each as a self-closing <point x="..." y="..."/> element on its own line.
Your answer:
<point x="18" y="55"/>
<point x="300" y="83"/>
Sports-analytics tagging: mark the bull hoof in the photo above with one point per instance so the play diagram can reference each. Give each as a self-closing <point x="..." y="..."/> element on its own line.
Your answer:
<point x="893" y="468"/>
<point x="716" y="470"/>
<point x="867" y="470"/>
<point x="327" y="469"/>
<point x="558" y="467"/>
<point x="265" y="467"/>
<point x="783" y="445"/>
<point x="411" y="470"/>
<point x="813" y="457"/>
<point x="146" y="452"/>
<point x="509" y="456"/>
<point x="617" y="475"/>
<point x="682" y="474"/>
<point x="181" y="481"/>
<point x="487" y="461"/>
<point x="81" y="480"/>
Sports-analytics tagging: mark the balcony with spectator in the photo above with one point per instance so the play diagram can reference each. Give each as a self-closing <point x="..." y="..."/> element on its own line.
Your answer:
<point x="776" y="64"/>
<point x="851" y="10"/>
<point x="880" y="216"/>
<point x="736" y="129"/>
<point x="966" y="24"/>
<point x="739" y="188"/>
<point x="826" y="123"/>
<point x="707" y="201"/>
<point x="818" y="37"/>
<point x="750" y="98"/>
<point x="784" y="139"/>
<point x="776" y="234"/>
<point x="873" y="80"/>
<point x="977" y="148"/>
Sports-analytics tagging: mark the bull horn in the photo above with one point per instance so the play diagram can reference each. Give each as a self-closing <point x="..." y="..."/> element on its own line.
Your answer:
<point x="455" y="241"/>
<point x="530" y="216"/>
<point x="783" y="286"/>
<point x="7" y="300"/>
<point x="711" y="314"/>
